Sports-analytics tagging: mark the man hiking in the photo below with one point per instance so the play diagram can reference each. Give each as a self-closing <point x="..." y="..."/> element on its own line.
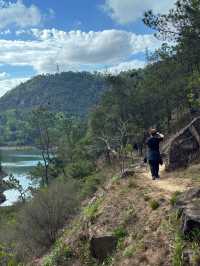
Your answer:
<point x="153" y="152"/>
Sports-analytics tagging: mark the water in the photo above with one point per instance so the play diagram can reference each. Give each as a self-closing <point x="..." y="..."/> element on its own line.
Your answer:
<point x="19" y="163"/>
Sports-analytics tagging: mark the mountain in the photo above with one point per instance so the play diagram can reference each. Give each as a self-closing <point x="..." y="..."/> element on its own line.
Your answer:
<point x="69" y="92"/>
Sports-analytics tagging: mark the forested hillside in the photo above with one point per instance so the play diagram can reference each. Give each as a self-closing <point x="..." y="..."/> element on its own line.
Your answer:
<point x="95" y="203"/>
<point x="70" y="92"/>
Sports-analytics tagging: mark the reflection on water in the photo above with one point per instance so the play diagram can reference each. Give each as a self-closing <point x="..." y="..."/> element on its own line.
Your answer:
<point x="18" y="163"/>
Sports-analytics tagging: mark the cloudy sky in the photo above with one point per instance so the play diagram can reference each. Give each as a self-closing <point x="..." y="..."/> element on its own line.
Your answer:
<point x="40" y="36"/>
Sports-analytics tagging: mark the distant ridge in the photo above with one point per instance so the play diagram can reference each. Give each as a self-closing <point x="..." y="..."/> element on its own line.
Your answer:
<point x="70" y="92"/>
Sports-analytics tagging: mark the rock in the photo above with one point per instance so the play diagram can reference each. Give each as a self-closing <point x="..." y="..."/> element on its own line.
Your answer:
<point x="127" y="172"/>
<point x="189" y="206"/>
<point x="102" y="247"/>
<point x="191" y="218"/>
<point x="2" y="198"/>
<point x="188" y="258"/>
<point x="184" y="147"/>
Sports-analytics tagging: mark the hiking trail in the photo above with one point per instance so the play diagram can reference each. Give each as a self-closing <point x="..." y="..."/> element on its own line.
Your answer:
<point x="168" y="182"/>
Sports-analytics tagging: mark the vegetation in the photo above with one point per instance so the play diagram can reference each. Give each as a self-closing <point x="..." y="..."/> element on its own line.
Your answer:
<point x="154" y="204"/>
<point x="174" y="197"/>
<point x="77" y="151"/>
<point x="68" y="92"/>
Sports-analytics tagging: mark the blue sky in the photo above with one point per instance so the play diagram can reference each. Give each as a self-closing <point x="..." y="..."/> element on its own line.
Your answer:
<point x="36" y="36"/>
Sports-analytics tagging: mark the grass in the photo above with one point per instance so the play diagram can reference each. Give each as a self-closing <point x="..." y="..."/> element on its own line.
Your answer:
<point x="129" y="251"/>
<point x="120" y="232"/>
<point x="91" y="184"/>
<point x="129" y="215"/>
<point x="92" y="210"/>
<point x="174" y="198"/>
<point x="154" y="204"/>
<point x="177" y="258"/>
<point x="132" y="184"/>
<point x="196" y="254"/>
<point x="61" y="255"/>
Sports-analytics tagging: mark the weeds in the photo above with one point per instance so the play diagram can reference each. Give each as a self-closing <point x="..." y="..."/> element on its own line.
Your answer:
<point x="120" y="232"/>
<point x="154" y="204"/>
<point x="91" y="211"/>
<point x="174" y="198"/>
<point x="129" y="215"/>
<point x="61" y="255"/>
<point x="177" y="259"/>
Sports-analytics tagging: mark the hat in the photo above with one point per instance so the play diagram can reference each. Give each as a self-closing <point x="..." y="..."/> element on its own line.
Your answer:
<point x="153" y="131"/>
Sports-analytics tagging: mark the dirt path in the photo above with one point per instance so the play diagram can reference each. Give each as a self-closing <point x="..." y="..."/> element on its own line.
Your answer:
<point x="167" y="184"/>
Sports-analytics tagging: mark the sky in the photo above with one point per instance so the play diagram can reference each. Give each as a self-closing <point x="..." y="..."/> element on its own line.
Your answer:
<point x="47" y="36"/>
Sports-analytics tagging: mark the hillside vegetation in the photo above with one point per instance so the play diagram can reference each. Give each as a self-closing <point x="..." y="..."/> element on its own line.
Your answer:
<point x="70" y="92"/>
<point x="92" y="186"/>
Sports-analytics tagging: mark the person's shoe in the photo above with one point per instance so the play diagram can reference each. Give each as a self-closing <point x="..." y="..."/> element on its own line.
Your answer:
<point x="153" y="178"/>
<point x="158" y="177"/>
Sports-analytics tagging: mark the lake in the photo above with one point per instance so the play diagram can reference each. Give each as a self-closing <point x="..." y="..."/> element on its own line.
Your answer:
<point x="18" y="162"/>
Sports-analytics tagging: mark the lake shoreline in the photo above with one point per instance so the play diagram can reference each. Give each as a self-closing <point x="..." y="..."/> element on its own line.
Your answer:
<point x="4" y="147"/>
<point x="18" y="161"/>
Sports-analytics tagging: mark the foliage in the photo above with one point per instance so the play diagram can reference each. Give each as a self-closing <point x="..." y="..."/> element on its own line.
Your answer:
<point x="91" y="183"/>
<point x="68" y="92"/>
<point x="46" y="213"/>
<point x="92" y="210"/>
<point x="120" y="232"/>
<point x="177" y="259"/>
<point x="79" y="169"/>
<point x="154" y="204"/>
<point x="181" y="25"/>
<point x="61" y="255"/>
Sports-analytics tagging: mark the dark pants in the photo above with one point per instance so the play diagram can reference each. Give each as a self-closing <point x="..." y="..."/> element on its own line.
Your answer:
<point x="154" y="166"/>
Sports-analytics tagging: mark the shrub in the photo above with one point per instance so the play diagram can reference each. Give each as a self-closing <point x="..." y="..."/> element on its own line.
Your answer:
<point x="90" y="185"/>
<point x="80" y="169"/>
<point x="38" y="223"/>
<point x="154" y="204"/>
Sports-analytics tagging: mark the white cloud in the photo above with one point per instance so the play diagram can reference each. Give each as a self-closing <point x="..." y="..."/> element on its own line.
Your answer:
<point x="127" y="11"/>
<point x="8" y="84"/>
<point x="4" y="75"/>
<point x="5" y="32"/>
<point x="74" y="50"/>
<point x="18" y="14"/>
<point x="125" y="66"/>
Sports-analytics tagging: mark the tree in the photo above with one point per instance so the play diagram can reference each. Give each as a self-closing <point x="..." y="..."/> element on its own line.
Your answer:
<point x="14" y="183"/>
<point x="43" y="122"/>
<point x="182" y="26"/>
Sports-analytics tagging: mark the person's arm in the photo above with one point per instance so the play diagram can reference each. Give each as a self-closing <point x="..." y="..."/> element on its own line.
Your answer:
<point x="160" y="136"/>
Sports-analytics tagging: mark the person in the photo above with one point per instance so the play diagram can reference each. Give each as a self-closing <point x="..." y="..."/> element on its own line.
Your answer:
<point x="153" y="152"/>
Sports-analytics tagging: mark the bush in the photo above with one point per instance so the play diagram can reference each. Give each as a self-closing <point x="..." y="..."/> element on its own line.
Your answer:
<point x="38" y="223"/>
<point x="91" y="184"/>
<point x="80" y="169"/>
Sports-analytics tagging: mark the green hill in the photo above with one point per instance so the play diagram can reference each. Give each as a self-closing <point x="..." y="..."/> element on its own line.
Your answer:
<point x="69" y="92"/>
